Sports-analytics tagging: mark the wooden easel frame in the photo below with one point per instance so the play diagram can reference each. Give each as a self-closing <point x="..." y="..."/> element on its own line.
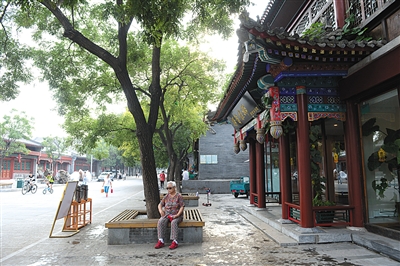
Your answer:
<point x="64" y="208"/>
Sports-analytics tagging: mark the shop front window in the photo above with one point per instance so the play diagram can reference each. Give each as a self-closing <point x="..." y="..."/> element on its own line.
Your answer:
<point x="328" y="153"/>
<point x="380" y="118"/>
<point x="336" y="162"/>
<point x="294" y="167"/>
<point x="272" y="166"/>
<point x="6" y="165"/>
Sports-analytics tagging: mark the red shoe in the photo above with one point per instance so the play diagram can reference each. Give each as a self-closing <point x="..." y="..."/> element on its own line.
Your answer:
<point x="174" y="245"/>
<point x="159" y="244"/>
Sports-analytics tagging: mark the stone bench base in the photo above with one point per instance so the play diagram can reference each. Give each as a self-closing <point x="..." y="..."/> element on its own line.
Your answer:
<point x="6" y="185"/>
<point x="124" y="236"/>
<point x="130" y="228"/>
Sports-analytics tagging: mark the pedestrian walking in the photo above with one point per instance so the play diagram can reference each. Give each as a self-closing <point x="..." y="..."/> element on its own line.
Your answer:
<point x="80" y="175"/>
<point x="107" y="184"/>
<point x="336" y="175"/>
<point x="342" y="176"/>
<point x="86" y="177"/>
<point x="185" y="175"/>
<point x="162" y="179"/>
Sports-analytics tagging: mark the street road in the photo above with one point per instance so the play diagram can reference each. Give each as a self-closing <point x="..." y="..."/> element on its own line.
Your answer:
<point x="26" y="220"/>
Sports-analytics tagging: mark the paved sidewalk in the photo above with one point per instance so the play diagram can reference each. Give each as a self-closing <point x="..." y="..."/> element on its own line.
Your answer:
<point x="232" y="236"/>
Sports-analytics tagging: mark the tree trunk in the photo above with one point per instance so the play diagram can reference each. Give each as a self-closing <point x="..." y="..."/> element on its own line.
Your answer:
<point x="145" y="131"/>
<point x="149" y="174"/>
<point x="178" y="175"/>
<point x="173" y="164"/>
<point x="171" y="169"/>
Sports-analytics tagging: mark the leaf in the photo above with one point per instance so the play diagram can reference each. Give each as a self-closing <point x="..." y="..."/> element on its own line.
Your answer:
<point x="374" y="185"/>
<point x="368" y="127"/>
<point x="392" y="136"/>
<point x="373" y="161"/>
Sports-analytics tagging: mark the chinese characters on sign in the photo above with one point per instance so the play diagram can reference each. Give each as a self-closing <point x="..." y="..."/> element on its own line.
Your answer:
<point x="245" y="110"/>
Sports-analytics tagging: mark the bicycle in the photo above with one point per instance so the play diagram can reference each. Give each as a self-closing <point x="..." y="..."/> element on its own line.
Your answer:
<point x="29" y="186"/>
<point x="47" y="189"/>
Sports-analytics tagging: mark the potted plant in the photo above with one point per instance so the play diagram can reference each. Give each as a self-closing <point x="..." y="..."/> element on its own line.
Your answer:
<point x="318" y="181"/>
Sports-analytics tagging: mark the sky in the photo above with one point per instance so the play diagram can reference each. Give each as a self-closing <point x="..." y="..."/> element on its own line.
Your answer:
<point x="35" y="99"/>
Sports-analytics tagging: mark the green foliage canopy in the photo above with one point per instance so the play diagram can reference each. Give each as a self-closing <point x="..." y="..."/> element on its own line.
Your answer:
<point x="54" y="147"/>
<point x="13" y="128"/>
<point x="13" y="55"/>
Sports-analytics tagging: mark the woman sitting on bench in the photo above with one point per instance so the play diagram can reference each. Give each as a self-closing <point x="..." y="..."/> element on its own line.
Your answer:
<point x="171" y="210"/>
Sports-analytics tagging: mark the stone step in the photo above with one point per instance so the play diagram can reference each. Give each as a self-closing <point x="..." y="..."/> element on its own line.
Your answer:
<point x="281" y="239"/>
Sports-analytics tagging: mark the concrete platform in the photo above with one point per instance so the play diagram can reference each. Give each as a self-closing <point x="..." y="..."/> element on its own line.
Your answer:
<point x="218" y="186"/>
<point x="288" y="233"/>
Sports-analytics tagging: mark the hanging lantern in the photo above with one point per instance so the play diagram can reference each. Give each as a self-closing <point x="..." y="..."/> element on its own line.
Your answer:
<point x="236" y="148"/>
<point x="260" y="137"/>
<point x="335" y="157"/>
<point x="276" y="129"/>
<point x="381" y="155"/>
<point x="243" y="145"/>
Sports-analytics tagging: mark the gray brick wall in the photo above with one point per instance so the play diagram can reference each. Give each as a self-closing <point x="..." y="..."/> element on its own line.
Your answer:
<point x="124" y="236"/>
<point x="230" y="165"/>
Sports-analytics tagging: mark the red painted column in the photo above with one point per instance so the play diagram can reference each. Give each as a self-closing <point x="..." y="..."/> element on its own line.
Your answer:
<point x="252" y="165"/>
<point x="260" y="170"/>
<point x="303" y="159"/>
<point x="352" y="142"/>
<point x="11" y="172"/>
<point x="284" y="173"/>
<point x="340" y="12"/>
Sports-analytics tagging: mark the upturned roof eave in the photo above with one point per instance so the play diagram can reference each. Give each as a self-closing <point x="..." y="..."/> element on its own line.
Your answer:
<point x="252" y="29"/>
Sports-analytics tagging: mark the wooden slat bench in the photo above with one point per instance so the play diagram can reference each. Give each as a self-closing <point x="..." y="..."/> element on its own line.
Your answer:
<point x="132" y="226"/>
<point x="125" y="216"/>
<point x="190" y="199"/>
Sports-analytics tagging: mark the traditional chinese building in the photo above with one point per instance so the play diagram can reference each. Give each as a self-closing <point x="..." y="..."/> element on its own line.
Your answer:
<point x="37" y="162"/>
<point x="307" y="108"/>
<point x="21" y="165"/>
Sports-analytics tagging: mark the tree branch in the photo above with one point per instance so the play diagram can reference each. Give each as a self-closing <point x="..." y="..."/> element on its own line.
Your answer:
<point x="71" y="33"/>
<point x="2" y="25"/>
